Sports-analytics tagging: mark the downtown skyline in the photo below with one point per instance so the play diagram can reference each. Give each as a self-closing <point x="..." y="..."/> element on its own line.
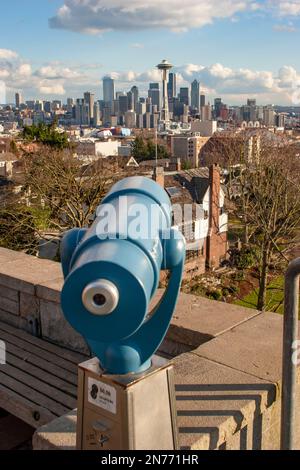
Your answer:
<point x="47" y="52"/>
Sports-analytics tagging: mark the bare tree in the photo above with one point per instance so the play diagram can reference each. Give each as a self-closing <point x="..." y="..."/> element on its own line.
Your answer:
<point x="70" y="189"/>
<point x="264" y="180"/>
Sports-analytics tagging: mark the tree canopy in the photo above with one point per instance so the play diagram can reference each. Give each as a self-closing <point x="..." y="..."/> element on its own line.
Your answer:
<point x="46" y="134"/>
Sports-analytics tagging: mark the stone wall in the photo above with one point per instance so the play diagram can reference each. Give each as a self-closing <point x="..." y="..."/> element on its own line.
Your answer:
<point x="227" y="359"/>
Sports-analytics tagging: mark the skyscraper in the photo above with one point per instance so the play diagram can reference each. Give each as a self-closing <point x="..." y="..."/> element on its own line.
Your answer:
<point x="172" y="86"/>
<point x="184" y="96"/>
<point x="154" y="94"/>
<point x="108" y="90"/>
<point x="195" y="95"/>
<point x="123" y="104"/>
<point x="89" y="99"/>
<point x="217" y="107"/>
<point x="135" y="94"/>
<point x="18" y="100"/>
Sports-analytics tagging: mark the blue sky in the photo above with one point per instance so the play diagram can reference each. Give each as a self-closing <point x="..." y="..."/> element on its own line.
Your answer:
<point x="236" y="48"/>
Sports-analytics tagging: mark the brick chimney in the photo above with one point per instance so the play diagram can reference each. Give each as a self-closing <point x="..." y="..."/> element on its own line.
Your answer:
<point x="159" y="176"/>
<point x="214" y="241"/>
<point x="175" y="164"/>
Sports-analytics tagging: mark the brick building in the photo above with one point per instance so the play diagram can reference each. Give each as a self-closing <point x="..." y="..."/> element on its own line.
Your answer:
<point x="200" y="195"/>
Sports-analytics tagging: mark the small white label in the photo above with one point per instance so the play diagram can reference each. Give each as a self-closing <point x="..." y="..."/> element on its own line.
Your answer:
<point x="102" y="395"/>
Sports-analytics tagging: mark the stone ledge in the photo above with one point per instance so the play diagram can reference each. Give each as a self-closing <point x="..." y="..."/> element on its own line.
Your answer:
<point x="214" y="403"/>
<point x="254" y="347"/>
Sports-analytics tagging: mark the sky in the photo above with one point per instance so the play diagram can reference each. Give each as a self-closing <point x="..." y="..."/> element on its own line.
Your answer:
<point x="237" y="49"/>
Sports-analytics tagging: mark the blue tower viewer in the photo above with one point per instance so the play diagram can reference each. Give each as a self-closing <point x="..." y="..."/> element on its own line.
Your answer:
<point x="112" y="272"/>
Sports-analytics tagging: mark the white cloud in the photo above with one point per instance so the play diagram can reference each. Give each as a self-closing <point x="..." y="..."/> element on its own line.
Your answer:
<point x="233" y="85"/>
<point x="137" y="45"/>
<point x="7" y="54"/>
<point x="98" y="16"/>
<point x="57" y="72"/>
<point x="289" y="8"/>
<point x="285" y="28"/>
<point x="24" y="70"/>
<point x="52" y="89"/>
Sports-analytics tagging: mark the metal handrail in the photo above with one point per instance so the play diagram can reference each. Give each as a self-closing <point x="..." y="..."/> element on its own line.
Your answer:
<point x="289" y="367"/>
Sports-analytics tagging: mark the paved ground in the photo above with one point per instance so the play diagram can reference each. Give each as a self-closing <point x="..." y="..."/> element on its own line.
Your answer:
<point x="14" y="434"/>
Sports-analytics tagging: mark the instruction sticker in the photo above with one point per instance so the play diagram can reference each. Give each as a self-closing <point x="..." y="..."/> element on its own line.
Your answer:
<point x="102" y="395"/>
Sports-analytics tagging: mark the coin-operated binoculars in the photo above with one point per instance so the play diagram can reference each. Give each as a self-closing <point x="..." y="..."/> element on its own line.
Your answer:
<point x="112" y="271"/>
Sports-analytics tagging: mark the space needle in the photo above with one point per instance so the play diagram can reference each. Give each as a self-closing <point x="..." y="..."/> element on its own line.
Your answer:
<point x="165" y="66"/>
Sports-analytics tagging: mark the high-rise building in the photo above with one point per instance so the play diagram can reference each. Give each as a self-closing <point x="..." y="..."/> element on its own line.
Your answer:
<point x="218" y="106"/>
<point x="108" y="90"/>
<point x="70" y="104"/>
<point x="251" y="102"/>
<point x="81" y="113"/>
<point x="154" y="94"/>
<point x="123" y="104"/>
<point x="18" y="100"/>
<point x="135" y="97"/>
<point x="89" y="99"/>
<point x="184" y="96"/>
<point x="130" y="119"/>
<point x="172" y="86"/>
<point x="195" y="95"/>
<point x="47" y="106"/>
<point x="202" y="100"/>
<point x="206" y="114"/>
<point x="97" y="114"/>
<point x="130" y="100"/>
<point x="269" y="116"/>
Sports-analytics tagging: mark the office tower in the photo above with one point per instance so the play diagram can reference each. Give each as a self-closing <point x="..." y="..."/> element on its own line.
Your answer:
<point x="269" y="116"/>
<point x="108" y="90"/>
<point x="106" y="113"/>
<point x="202" y="100"/>
<point x="39" y="106"/>
<point x="79" y="111"/>
<point x="89" y="99"/>
<point x="130" y="119"/>
<point x="217" y="108"/>
<point x="184" y="96"/>
<point x="97" y="114"/>
<point x="140" y="121"/>
<point x="56" y="105"/>
<point x="135" y="94"/>
<point x="195" y="95"/>
<point x="141" y="108"/>
<point x="251" y="102"/>
<point x="172" y="86"/>
<point x="206" y="112"/>
<point x="47" y="106"/>
<point x="123" y="104"/>
<point x="30" y="104"/>
<point x="280" y="120"/>
<point x="154" y="94"/>
<point x="147" y="121"/>
<point x="130" y="100"/>
<point x="115" y="107"/>
<point x="177" y="107"/>
<point x="18" y="100"/>
<point x="70" y="104"/>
